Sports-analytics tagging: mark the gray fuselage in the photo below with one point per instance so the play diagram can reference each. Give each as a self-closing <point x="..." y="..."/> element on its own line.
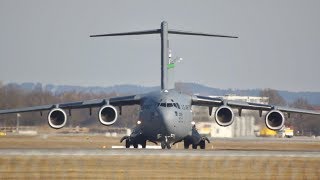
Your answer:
<point x="166" y="114"/>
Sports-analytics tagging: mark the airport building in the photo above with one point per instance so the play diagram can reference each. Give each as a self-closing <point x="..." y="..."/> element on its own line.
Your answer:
<point x="243" y="126"/>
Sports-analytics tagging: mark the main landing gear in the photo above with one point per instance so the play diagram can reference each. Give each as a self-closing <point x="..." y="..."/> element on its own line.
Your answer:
<point x="135" y="141"/>
<point x="129" y="141"/>
<point x="201" y="144"/>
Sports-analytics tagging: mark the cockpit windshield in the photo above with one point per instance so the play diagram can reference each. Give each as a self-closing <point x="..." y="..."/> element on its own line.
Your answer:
<point x="176" y="105"/>
<point x="163" y="104"/>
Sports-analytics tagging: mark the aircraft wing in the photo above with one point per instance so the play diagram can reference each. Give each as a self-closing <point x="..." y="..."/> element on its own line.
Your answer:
<point x="216" y="102"/>
<point x="116" y="101"/>
<point x="265" y="107"/>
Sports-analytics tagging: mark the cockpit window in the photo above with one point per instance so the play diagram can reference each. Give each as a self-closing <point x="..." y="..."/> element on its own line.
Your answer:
<point x="176" y="105"/>
<point x="163" y="105"/>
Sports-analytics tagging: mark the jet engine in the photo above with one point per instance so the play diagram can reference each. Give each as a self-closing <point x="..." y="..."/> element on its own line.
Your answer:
<point x="224" y="116"/>
<point x="108" y="115"/>
<point x="57" y="118"/>
<point x="275" y="120"/>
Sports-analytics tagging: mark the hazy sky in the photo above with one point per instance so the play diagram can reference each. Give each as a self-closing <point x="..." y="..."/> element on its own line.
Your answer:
<point x="48" y="42"/>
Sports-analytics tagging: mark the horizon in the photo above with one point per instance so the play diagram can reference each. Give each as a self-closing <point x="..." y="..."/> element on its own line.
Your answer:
<point x="157" y="86"/>
<point x="313" y="98"/>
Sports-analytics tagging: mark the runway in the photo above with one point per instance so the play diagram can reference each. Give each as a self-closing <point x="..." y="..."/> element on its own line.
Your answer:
<point x="91" y="157"/>
<point x="153" y="152"/>
<point x="157" y="164"/>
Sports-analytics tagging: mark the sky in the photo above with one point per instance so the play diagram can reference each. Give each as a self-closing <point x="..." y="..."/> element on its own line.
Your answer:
<point x="48" y="42"/>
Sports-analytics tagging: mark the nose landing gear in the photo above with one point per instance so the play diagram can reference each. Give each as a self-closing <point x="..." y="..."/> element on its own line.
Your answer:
<point x="166" y="143"/>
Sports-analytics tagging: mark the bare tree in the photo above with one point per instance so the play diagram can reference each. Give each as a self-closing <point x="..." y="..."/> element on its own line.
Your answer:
<point x="305" y="124"/>
<point x="274" y="97"/>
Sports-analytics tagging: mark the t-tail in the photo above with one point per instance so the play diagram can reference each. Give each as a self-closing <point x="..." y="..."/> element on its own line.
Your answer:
<point x="167" y="81"/>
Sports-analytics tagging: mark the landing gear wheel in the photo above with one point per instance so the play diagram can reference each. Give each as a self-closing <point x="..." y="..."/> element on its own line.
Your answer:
<point x="202" y="144"/>
<point x="194" y="146"/>
<point x="144" y="144"/>
<point x="165" y="145"/>
<point x="186" y="145"/>
<point x="135" y="146"/>
<point x="127" y="143"/>
<point x="168" y="146"/>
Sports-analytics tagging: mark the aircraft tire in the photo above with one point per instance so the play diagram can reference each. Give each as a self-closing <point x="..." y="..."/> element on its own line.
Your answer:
<point x="127" y="143"/>
<point x="144" y="144"/>
<point x="135" y="146"/>
<point x="202" y="144"/>
<point x="168" y="146"/>
<point x="194" y="146"/>
<point x="186" y="145"/>
<point x="163" y="145"/>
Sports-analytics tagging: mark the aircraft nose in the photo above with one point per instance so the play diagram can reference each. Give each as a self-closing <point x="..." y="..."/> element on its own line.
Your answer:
<point x="168" y="119"/>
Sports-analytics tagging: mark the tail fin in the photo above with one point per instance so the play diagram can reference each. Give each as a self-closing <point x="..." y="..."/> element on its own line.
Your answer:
<point x="167" y="81"/>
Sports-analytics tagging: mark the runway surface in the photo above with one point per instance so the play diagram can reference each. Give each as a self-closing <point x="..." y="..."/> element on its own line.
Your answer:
<point x="91" y="157"/>
<point x="152" y="152"/>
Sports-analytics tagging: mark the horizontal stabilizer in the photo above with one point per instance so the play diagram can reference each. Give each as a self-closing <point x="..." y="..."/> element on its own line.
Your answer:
<point x="155" y="31"/>
<point x="197" y="34"/>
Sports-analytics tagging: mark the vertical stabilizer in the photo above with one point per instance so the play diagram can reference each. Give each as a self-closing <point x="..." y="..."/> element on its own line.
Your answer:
<point x="164" y="54"/>
<point x="167" y="81"/>
<point x="170" y="69"/>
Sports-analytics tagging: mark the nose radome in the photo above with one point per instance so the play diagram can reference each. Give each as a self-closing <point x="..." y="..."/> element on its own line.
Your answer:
<point x="168" y="119"/>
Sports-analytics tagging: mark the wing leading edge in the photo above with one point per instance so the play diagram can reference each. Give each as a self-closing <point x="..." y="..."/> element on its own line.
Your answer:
<point x="116" y="101"/>
<point x="216" y="102"/>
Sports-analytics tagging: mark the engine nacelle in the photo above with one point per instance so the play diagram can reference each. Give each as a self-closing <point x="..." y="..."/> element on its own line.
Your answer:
<point x="224" y="116"/>
<point x="275" y="120"/>
<point x="108" y="115"/>
<point x="57" y="118"/>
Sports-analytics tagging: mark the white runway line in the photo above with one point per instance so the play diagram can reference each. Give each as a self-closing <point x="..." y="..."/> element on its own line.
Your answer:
<point x="139" y="147"/>
<point x="155" y="152"/>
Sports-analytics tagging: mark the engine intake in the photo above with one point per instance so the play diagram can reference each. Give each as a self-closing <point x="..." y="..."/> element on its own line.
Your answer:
<point x="108" y="115"/>
<point x="57" y="118"/>
<point x="275" y="120"/>
<point x="224" y="116"/>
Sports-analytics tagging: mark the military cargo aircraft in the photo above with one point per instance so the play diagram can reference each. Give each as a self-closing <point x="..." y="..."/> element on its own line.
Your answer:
<point x="165" y="116"/>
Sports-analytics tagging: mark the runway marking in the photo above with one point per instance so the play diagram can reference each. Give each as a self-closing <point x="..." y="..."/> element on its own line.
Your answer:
<point x="139" y="147"/>
<point x="154" y="152"/>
